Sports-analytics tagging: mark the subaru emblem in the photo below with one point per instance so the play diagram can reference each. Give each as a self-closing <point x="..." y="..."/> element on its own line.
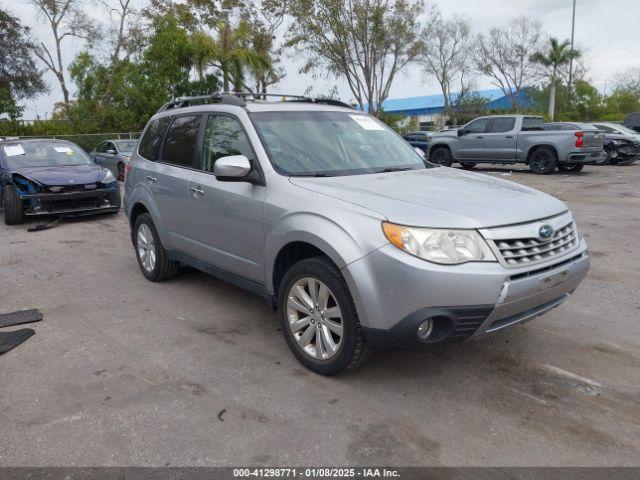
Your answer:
<point x="545" y="232"/>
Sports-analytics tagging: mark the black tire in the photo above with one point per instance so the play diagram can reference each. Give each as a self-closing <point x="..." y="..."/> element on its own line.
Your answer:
<point x="571" y="167"/>
<point x="352" y="351"/>
<point x="543" y="161"/>
<point x="468" y="165"/>
<point x="121" y="172"/>
<point x="12" y="209"/>
<point x="163" y="269"/>
<point x="441" y="156"/>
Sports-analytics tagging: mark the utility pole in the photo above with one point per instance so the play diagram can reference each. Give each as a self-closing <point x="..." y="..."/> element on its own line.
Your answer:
<point x="573" y="29"/>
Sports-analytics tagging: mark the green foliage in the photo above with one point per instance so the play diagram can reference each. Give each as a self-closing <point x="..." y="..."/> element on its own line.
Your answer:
<point x="19" y="76"/>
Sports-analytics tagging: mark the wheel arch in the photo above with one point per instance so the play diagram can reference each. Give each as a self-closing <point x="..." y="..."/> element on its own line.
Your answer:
<point x="293" y="240"/>
<point x="534" y="148"/>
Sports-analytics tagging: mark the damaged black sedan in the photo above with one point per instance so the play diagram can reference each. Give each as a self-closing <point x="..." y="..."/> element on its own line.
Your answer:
<point x="52" y="177"/>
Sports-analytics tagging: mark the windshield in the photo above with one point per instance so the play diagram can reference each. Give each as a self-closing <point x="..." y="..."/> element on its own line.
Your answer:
<point x="625" y="130"/>
<point x="333" y="143"/>
<point x="43" y="154"/>
<point x="126" y="146"/>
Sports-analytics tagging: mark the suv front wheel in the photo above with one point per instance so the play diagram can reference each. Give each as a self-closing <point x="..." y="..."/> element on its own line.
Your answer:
<point x="151" y="255"/>
<point x="319" y="319"/>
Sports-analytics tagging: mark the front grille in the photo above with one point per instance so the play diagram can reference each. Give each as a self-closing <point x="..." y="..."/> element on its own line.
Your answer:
<point x="524" y="251"/>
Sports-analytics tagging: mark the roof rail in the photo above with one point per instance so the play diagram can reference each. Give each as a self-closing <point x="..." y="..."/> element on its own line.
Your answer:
<point x="240" y="99"/>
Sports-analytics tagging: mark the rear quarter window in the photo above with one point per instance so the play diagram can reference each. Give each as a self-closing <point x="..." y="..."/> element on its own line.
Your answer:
<point x="152" y="137"/>
<point x="532" y="124"/>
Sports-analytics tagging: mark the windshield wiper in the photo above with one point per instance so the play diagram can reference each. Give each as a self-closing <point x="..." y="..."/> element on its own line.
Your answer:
<point x="392" y="169"/>
<point x="315" y="174"/>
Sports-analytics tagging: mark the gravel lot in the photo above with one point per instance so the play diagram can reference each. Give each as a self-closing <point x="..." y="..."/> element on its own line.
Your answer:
<point x="194" y="371"/>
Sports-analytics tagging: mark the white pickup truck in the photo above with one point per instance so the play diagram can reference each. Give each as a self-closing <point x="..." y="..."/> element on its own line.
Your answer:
<point x="505" y="139"/>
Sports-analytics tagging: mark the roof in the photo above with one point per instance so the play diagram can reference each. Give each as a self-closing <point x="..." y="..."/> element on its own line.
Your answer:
<point x="435" y="103"/>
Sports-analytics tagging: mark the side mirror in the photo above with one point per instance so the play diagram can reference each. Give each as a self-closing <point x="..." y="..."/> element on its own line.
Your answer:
<point x="461" y="132"/>
<point x="111" y="151"/>
<point x="420" y="152"/>
<point x="233" y="167"/>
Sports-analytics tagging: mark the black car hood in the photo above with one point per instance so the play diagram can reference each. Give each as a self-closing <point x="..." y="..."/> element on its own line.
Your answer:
<point x="64" y="174"/>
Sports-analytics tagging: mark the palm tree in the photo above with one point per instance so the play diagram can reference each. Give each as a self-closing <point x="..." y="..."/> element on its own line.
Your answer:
<point x="229" y="53"/>
<point x="557" y="55"/>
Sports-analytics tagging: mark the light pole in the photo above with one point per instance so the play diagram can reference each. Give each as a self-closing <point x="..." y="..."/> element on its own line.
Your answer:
<point x="573" y="29"/>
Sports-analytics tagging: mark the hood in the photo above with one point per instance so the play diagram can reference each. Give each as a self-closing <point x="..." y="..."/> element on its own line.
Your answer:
<point x="64" y="174"/>
<point x="439" y="197"/>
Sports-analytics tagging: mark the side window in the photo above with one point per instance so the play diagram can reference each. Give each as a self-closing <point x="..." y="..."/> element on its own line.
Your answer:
<point x="180" y="143"/>
<point x="502" y="124"/>
<point x="223" y="137"/>
<point x="530" y="124"/>
<point x="605" y="128"/>
<point x="110" y="146"/>
<point x="477" y="126"/>
<point x="151" y="138"/>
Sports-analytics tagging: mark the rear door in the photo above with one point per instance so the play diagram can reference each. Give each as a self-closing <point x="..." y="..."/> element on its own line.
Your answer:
<point x="168" y="178"/>
<point x="500" y="139"/>
<point x="470" y="146"/>
<point x="227" y="218"/>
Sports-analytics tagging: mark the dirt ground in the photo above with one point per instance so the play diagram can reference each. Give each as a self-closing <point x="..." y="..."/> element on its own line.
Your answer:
<point x="194" y="371"/>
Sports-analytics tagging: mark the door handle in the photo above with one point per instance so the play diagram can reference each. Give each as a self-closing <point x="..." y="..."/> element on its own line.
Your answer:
<point x="479" y="136"/>
<point x="197" y="191"/>
<point x="509" y="136"/>
<point x="152" y="179"/>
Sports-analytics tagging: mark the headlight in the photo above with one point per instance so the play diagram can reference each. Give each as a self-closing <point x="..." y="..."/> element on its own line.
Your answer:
<point x="108" y="178"/>
<point x="446" y="247"/>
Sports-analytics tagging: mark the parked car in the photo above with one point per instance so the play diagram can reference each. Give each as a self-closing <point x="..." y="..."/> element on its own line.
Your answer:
<point x="355" y="239"/>
<point x="507" y="139"/>
<point x="418" y="140"/>
<point x="632" y="121"/>
<point x="621" y="143"/>
<point x="44" y="176"/>
<point x="114" y="155"/>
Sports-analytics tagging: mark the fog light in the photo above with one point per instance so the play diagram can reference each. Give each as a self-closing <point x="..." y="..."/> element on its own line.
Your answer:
<point x="425" y="329"/>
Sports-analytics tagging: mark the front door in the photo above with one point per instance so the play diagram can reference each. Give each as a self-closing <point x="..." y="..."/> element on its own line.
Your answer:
<point x="227" y="218"/>
<point x="470" y="146"/>
<point x="500" y="139"/>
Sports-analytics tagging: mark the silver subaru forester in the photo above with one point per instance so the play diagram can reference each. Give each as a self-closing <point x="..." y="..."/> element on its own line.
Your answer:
<point x="356" y="240"/>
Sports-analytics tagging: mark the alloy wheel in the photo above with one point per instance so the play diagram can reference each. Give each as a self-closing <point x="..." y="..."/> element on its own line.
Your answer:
<point x="146" y="247"/>
<point x="315" y="319"/>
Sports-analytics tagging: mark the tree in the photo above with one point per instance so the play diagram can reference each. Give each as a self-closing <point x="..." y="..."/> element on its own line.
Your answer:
<point x="230" y="52"/>
<point x="123" y="30"/>
<point x="66" y="19"/>
<point x="504" y="55"/>
<point x="268" y="17"/>
<point x="628" y="81"/>
<point x="446" y="57"/>
<point x="19" y="76"/>
<point x="366" y="42"/>
<point x="557" y="55"/>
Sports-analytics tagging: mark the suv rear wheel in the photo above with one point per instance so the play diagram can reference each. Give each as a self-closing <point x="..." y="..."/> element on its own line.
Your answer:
<point x="151" y="255"/>
<point x="12" y="212"/>
<point x="319" y="319"/>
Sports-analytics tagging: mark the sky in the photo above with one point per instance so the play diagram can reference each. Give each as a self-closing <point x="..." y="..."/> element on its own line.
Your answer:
<point x="607" y="32"/>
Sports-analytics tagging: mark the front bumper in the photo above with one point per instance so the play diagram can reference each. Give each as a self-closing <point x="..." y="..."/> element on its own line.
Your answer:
<point x="395" y="292"/>
<point x="69" y="203"/>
